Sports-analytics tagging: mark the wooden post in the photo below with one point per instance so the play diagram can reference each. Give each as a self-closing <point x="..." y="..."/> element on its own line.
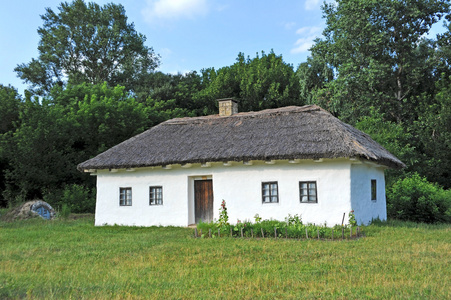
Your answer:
<point x="242" y="232"/>
<point x="231" y="232"/>
<point x="306" y="233"/>
<point x="252" y="232"/>
<point x="195" y="232"/>
<point x="219" y="232"/>
<point x="275" y="232"/>
<point x="209" y="233"/>
<point x="286" y="233"/>
<point x="263" y="234"/>
<point x="317" y="231"/>
<point x="358" y="231"/>
<point x="332" y="234"/>
<point x="350" y="230"/>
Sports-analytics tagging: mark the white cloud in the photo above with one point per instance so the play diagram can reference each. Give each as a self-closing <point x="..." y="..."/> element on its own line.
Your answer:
<point x="174" y="9"/>
<point x="308" y="34"/>
<point x="311" y="4"/>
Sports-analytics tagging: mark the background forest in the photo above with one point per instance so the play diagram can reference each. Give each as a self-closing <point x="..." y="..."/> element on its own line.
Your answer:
<point x="95" y="84"/>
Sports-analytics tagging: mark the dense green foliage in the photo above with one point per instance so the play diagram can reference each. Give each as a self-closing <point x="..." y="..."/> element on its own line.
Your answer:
<point x="259" y="83"/>
<point x="415" y="199"/>
<point x="55" y="134"/>
<point x="94" y="86"/>
<point x="87" y="43"/>
<point x="379" y="55"/>
<point x="74" y="260"/>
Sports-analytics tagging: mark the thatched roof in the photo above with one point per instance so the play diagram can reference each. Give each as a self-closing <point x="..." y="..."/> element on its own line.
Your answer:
<point x="307" y="132"/>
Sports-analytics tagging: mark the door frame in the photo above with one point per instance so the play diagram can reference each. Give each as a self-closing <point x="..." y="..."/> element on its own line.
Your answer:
<point x="203" y="200"/>
<point x="191" y="196"/>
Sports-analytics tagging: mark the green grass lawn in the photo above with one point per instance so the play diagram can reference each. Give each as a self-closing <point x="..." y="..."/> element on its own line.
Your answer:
<point x="73" y="259"/>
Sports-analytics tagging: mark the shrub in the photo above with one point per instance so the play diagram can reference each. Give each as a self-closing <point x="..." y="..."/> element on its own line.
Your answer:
<point x="78" y="198"/>
<point x="415" y="199"/>
<point x="65" y="211"/>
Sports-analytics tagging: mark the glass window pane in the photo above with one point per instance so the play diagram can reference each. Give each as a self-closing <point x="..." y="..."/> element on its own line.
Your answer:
<point x="373" y="189"/>
<point x="155" y="195"/>
<point x="307" y="191"/>
<point x="269" y="192"/>
<point x="125" y="196"/>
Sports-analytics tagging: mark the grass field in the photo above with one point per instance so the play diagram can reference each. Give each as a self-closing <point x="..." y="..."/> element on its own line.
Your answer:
<point x="73" y="259"/>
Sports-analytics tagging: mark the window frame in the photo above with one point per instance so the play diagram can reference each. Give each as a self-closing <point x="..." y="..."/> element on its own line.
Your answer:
<point x="270" y="194"/>
<point x="125" y="201"/>
<point x="308" y="189"/>
<point x="155" y="187"/>
<point x="373" y="190"/>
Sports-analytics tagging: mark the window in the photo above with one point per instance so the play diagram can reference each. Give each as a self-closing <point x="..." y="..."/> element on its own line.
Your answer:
<point x="307" y="192"/>
<point x="125" y="196"/>
<point x="373" y="189"/>
<point x="155" y="195"/>
<point x="270" y="193"/>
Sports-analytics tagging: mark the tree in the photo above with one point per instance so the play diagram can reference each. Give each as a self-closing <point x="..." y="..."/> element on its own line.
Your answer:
<point x="88" y="43"/>
<point x="393" y="137"/>
<point x="313" y="75"/>
<point x="434" y="133"/>
<point x="260" y="83"/>
<point x="65" y="128"/>
<point x="10" y="104"/>
<point x="379" y="54"/>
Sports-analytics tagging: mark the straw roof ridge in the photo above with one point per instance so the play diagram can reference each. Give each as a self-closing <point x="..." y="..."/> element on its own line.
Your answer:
<point x="307" y="132"/>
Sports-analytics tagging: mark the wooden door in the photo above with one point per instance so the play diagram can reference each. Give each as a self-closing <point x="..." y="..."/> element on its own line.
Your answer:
<point x="203" y="200"/>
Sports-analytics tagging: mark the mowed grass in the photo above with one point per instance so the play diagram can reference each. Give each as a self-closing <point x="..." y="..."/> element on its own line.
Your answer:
<point x="73" y="259"/>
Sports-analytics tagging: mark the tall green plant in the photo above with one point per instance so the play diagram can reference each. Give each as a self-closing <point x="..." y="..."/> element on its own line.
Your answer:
<point x="223" y="215"/>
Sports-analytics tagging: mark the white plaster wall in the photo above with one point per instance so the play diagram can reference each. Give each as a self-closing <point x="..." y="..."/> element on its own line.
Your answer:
<point x="364" y="208"/>
<point x="244" y="197"/>
<point x="239" y="185"/>
<point x="140" y="213"/>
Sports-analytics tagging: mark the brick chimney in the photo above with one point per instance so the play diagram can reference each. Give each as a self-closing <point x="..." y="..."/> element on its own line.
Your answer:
<point x="227" y="107"/>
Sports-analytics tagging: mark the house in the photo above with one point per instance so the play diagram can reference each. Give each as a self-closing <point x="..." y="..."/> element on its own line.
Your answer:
<point x="275" y="162"/>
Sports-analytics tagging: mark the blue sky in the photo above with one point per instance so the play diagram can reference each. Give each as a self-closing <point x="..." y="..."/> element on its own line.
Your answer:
<point x="188" y="34"/>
